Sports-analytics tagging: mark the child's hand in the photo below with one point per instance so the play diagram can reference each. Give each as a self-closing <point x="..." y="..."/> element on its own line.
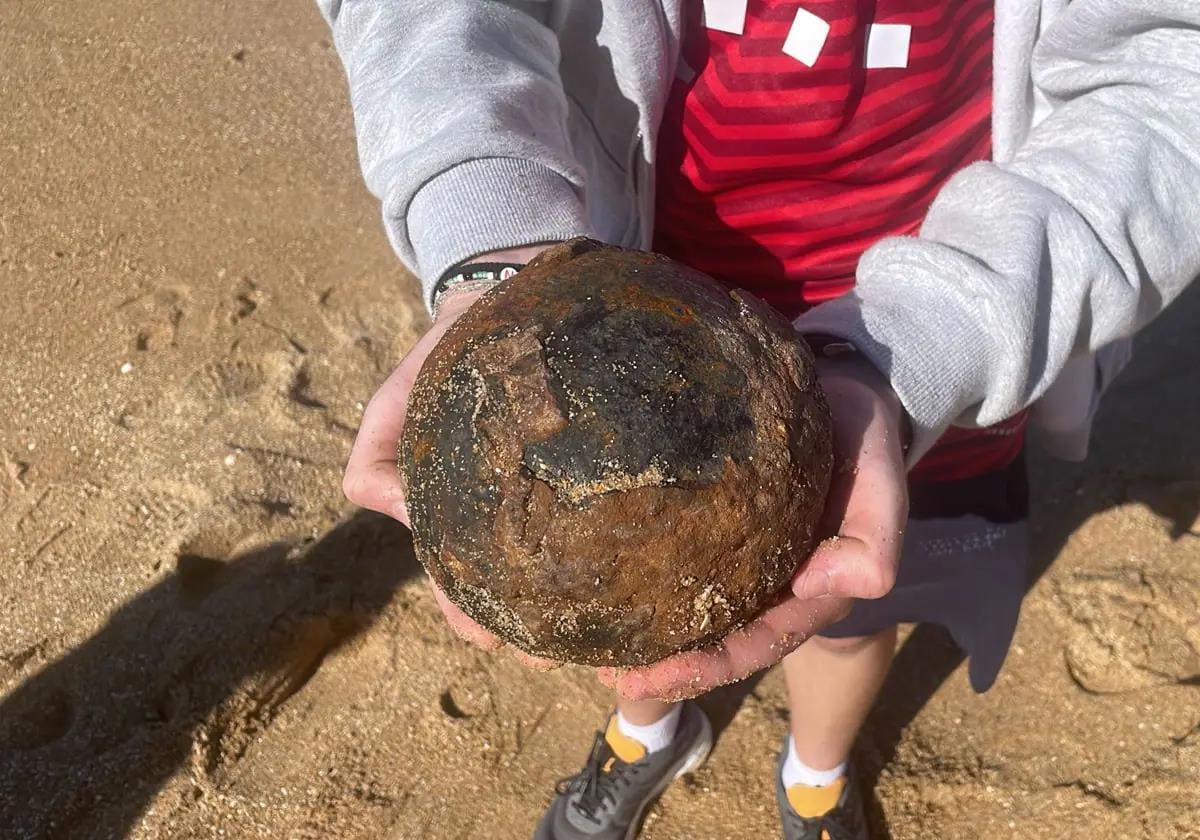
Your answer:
<point x="371" y="479"/>
<point x="867" y="508"/>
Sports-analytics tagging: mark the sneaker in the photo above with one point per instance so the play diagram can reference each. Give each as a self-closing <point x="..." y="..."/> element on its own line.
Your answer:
<point x="845" y="821"/>
<point x="606" y="799"/>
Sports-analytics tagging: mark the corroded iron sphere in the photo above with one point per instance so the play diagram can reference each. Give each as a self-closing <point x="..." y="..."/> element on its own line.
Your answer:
<point x="610" y="458"/>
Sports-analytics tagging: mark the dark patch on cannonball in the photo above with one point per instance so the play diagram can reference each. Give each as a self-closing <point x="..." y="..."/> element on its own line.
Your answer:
<point x="610" y="458"/>
<point x="644" y="395"/>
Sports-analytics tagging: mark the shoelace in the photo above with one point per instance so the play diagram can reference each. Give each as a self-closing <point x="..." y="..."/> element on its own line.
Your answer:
<point x="838" y="824"/>
<point x="595" y="786"/>
<point x="836" y="829"/>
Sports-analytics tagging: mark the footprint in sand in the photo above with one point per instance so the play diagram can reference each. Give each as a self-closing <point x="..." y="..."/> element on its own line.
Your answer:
<point x="292" y="650"/>
<point x="462" y="702"/>
<point x="1131" y="629"/>
<point x="299" y="393"/>
<point x="246" y="299"/>
<point x="279" y="376"/>
<point x="42" y="715"/>
<point x="233" y="379"/>
<point x="163" y="311"/>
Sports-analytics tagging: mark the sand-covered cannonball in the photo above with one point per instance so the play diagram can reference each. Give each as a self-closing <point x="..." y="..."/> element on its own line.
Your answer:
<point x="610" y="457"/>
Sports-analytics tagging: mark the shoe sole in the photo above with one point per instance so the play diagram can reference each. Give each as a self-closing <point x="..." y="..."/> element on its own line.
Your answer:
<point x="689" y="763"/>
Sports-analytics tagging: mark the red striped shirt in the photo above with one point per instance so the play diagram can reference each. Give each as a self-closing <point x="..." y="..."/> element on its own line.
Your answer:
<point x="789" y="149"/>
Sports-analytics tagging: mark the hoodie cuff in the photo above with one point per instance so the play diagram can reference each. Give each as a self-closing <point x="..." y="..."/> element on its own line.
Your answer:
<point x="489" y="205"/>
<point x="921" y="388"/>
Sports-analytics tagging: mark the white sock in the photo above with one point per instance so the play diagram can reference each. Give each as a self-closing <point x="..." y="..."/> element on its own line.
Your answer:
<point x="796" y="772"/>
<point x="654" y="736"/>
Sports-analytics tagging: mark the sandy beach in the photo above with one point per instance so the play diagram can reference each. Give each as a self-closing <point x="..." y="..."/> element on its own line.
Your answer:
<point x="202" y="639"/>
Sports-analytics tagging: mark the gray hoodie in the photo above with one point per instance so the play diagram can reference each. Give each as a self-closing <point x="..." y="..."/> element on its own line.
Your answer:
<point x="488" y="124"/>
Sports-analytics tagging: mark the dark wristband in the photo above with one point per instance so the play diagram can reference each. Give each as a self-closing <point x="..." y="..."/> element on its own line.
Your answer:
<point x="473" y="275"/>
<point x="832" y="347"/>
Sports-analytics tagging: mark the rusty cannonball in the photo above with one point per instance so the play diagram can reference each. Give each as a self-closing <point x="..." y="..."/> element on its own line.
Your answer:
<point x="610" y="458"/>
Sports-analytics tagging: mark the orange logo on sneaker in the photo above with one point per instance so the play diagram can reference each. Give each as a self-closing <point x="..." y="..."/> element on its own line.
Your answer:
<point x="627" y="749"/>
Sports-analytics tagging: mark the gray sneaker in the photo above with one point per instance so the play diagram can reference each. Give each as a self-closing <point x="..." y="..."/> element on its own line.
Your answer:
<point x="606" y="799"/>
<point x="846" y="821"/>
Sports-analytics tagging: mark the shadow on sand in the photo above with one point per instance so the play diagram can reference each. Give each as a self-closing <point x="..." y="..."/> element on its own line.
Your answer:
<point x="212" y="650"/>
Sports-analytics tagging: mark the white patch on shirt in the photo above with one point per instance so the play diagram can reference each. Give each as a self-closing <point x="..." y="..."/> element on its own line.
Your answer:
<point x="725" y="15"/>
<point x="806" y="37"/>
<point x="887" y="45"/>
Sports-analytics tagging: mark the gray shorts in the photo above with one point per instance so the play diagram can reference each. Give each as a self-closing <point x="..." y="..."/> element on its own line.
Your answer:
<point x="965" y="565"/>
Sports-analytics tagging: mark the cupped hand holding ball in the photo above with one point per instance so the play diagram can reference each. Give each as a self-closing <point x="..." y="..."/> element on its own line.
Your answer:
<point x="866" y="509"/>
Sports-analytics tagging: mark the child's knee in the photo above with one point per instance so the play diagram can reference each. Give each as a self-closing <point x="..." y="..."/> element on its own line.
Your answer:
<point x="843" y="645"/>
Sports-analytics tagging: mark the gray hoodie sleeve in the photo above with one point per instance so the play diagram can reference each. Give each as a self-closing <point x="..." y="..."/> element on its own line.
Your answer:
<point x="1081" y="238"/>
<point x="429" y="78"/>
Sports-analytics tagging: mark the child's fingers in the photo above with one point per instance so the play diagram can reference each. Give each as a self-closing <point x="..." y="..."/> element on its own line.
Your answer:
<point x="371" y="479"/>
<point x="758" y="645"/>
<point x="471" y="631"/>
<point x="537" y="663"/>
<point x="462" y="624"/>
<point x="376" y="487"/>
<point x="610" y="676"/>
<point x="862" y="559"/>
<point x="867" y="506"/>
<point x="849" y="567"/>
<point x="677" y="677"/>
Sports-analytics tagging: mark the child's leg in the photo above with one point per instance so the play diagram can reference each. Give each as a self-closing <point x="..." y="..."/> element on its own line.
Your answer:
<point x="832" y="684"/>
<point x="651" y="723"/>
<point x="643" y="712"/>
<point x="643" y="747"/>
